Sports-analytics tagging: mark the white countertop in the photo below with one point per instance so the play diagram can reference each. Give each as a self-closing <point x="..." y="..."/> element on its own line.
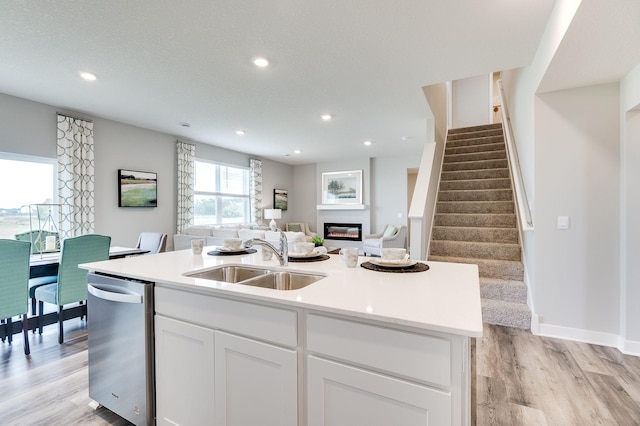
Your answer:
<point x="445" y="298"/>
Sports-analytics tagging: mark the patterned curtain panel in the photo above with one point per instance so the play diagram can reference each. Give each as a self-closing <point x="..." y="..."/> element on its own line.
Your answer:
<point x="186" y="155"/>
<point x="255" y="190"/>
<point x="75" y="176"/>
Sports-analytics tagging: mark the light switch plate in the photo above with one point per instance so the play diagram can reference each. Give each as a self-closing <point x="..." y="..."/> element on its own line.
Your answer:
<point x="563" y="222"/>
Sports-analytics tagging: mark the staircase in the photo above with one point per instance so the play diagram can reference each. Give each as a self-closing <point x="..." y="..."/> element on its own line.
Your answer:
<point x="475" y="221"/>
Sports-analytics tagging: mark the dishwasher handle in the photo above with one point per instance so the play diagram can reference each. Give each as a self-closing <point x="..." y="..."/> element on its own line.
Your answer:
<point x="114" y="293"/>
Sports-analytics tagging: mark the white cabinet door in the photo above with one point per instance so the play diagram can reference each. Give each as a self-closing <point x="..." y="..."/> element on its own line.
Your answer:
<point x="342" y="395"/>
<point x="255" y="383"/>
<point x="184" y="373"/>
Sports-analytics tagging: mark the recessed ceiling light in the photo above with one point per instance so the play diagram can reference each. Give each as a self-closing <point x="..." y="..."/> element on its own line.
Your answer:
<point x="368" y="143"/>
<point x="260" y="62"/>
<point x="239" y="132"/>
<point x="89" y="76"/>
<point x="185" y="124"/>
<point x="326" y="117"/>
<point x="297" y="151"/>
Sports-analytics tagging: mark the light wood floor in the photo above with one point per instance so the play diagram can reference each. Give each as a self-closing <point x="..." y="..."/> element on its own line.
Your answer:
<point x="521" y="379"/>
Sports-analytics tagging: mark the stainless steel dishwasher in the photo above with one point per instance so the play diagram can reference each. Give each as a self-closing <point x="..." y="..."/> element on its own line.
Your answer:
<point x="121" y="355"/>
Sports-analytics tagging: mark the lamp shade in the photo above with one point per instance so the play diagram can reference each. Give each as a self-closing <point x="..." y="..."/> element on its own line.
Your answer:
<point x="272" y="213"/>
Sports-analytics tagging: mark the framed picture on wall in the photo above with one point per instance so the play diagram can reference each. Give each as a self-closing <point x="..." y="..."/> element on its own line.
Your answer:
<point x="137" y="189"/>
<point x="342" y="187"/>
<point x="280" y="199"/>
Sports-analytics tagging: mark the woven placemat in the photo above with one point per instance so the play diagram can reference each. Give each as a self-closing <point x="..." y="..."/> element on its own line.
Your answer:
<point x="418" y="267"/>
<point x="231" y="253"/>
<point x="310" y="259"/>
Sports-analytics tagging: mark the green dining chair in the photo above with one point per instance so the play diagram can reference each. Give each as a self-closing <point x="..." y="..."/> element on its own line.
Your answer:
<point x="14" y="286"/>
<point x="71" y="285"/>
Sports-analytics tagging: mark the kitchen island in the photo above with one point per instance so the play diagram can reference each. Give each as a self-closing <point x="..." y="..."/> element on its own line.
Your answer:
<point x="355" y="347"/>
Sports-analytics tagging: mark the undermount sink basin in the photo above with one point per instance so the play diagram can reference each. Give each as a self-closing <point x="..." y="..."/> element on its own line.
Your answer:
<point x="283" y="280"/>
<point x="229" y="274"/>
<point x="258" y="277"/>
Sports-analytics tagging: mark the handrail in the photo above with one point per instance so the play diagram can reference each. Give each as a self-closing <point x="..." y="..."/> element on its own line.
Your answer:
<point x="521" y="194"/>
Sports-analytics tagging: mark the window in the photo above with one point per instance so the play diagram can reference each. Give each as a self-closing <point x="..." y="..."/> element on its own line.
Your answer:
<point x="25" y="180"/>
<point x="221" y="194"/>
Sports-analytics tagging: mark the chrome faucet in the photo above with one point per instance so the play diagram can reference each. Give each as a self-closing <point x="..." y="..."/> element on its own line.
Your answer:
<point x="282" y="254"/>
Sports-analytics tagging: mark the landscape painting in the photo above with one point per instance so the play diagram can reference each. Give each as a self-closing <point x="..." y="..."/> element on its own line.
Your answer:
<point x="137" y="189"/>
<point x="280" y="199"/>
<point x="342" y="187"/>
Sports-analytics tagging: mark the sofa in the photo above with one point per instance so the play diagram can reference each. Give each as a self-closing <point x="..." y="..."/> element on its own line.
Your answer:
<point x="214" y="235"/>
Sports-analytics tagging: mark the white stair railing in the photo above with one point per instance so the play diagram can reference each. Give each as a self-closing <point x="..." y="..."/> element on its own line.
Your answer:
<point x="522" y="201"/>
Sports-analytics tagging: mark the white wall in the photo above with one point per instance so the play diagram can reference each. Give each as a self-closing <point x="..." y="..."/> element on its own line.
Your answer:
<point x="630" y="211"/>
<point x="389" y="183"/>
<point x="303" y="205"/>
<point x="577" y="175"/>
<point x="471" y="101"/>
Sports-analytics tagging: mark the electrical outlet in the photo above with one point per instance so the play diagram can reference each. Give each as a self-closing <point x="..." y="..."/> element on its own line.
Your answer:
<point x="563" y="222"/>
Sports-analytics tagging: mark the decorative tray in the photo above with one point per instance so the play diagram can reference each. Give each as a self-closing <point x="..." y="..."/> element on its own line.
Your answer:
<point x="415" y="267"/>
<point x="227" y="252"/>
<point x="317" y="258"/>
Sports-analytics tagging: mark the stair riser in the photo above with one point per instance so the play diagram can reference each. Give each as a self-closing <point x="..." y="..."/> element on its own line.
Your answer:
<point x="479" y="195"/>
<point x="483" y="235"/>
<point x="501" y="173"/>
<point x="476" y="250"/>
<point x="480" y="127"/>
<point x="475" y="165"/>
<point x="474" y="207"/>
<point x="452" y="185"/>
<point x="512" y="294"/>
<point x="475" y="156"/>
<point x="468" y="149"/>
<point x="506" y="316"/>
<point x="475" y="220"/>
<point x="472" y="135"/>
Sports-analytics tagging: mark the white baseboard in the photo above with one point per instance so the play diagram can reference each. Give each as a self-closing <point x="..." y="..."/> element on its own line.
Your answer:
<point x="627" y="347"/>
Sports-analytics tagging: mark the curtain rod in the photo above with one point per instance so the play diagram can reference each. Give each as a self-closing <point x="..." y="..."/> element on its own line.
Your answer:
<point x="74" y="117"/>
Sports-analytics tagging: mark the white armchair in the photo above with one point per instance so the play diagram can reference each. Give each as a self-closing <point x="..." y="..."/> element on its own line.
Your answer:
<point x="300" y="227"/>
<point x="391" y="236"/>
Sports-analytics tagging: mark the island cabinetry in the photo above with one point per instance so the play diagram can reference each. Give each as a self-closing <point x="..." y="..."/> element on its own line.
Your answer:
<point x="222" y="361"/>
<point x="363" y="373"/>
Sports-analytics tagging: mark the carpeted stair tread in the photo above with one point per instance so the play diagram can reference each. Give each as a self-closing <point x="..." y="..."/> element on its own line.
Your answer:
<point x="505" y="290"/>
<point x="475" y="207"/>
<point x="491" y="220"/>
<point x="474" y="134"/>
<point x="466" y="184"/>
<point x="491" y="194"/>
<point x="468" y="149"/>
<point x="507" y="314"/>
<point x="476" y="165"/>
<point x="474" y="141"/>
<point x="479" y="127"/>
<point x="477" y="234"/>
<point x="497" y="173"/>
<point x="475" y="156"/>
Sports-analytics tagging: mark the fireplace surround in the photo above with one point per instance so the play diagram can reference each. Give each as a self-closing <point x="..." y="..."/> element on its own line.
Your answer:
<point x="343" y="231"/>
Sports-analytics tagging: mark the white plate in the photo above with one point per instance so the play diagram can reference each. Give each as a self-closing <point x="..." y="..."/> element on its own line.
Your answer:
<point x="314" y="253"/>
<point x="393" y="263"/>
<point x="231" y="250"/>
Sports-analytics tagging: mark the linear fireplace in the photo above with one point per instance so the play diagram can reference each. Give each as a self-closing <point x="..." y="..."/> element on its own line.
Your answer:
<point x="343" y="231"/>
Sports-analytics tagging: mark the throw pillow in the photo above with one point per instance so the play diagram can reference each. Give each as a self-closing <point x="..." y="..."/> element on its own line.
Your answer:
<point x="294" y="227"/>
<point x="390" y="231"/>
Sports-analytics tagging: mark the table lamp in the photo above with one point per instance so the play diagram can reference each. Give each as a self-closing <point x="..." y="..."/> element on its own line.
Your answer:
<point x="272" y="214"/>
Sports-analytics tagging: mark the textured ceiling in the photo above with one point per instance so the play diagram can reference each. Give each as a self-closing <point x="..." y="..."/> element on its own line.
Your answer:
<point x="162" y="62"/>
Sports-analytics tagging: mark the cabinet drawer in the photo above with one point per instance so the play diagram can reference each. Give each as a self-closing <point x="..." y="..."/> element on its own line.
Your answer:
<point x="421" y="357"/>
<point x="248" y="319"/>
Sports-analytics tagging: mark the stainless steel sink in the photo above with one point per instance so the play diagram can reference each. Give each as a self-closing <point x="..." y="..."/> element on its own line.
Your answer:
<point x="258" y="277"/>
<point x="229" y="274"/>
<point x="283" y="280"/>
